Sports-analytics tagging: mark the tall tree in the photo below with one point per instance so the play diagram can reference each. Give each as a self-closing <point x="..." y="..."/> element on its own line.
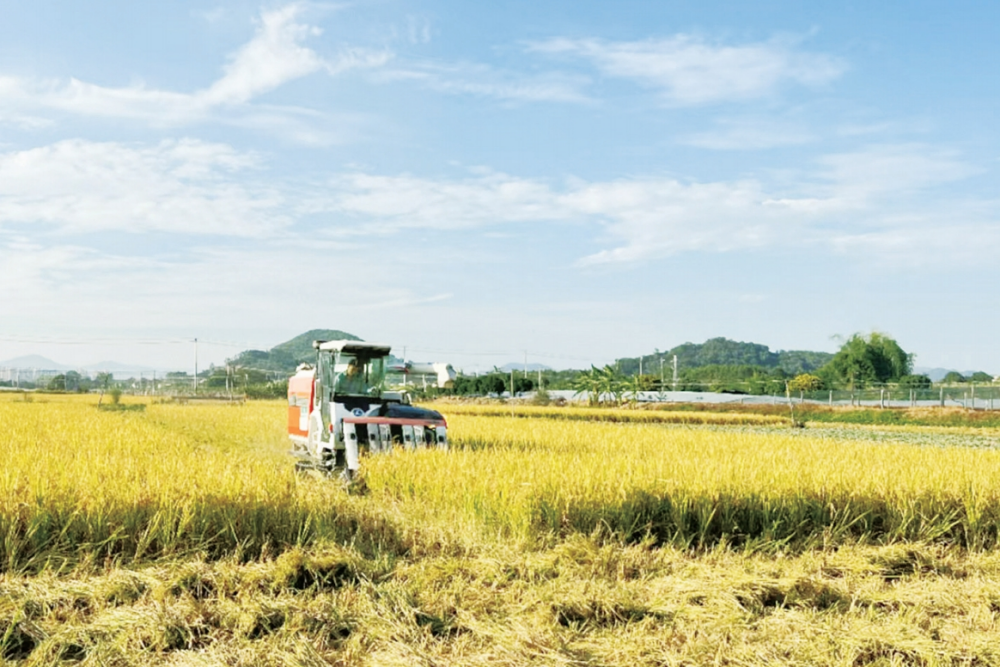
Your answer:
<point x="872" y="359"/>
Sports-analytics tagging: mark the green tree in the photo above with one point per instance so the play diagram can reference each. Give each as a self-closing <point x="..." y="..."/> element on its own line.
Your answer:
<point x="102" y="382"/>
<point x="980" y="376"/>
<point x="953" y="377"/>
<point x="805" y="382"/>
<point x="74" y="381"/>
<point x="872" y="359"/>
<point x="523" y="384"/>
<point x="914" y="382"/>
<point x="492" y="384"/>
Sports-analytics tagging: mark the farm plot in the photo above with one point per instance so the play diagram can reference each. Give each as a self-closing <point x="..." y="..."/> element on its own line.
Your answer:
<point x="693" y="486"/>
<point x="179" y="534"/>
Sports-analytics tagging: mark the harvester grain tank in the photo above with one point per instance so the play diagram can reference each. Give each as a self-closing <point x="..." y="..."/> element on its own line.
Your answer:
<point x="340" y="406"/>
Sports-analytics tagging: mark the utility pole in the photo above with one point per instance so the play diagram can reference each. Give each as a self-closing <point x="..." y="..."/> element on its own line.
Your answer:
<point x="525" y="363"/>
<point x="640" y="365"/>
<point x="196" y="365"/>
<point x="675" y="372"/>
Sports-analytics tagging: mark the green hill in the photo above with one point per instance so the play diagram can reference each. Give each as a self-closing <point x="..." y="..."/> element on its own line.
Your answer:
<point x="301" y="347"/>
<point x="725" y="352"/>
<point x="284" y="357"/>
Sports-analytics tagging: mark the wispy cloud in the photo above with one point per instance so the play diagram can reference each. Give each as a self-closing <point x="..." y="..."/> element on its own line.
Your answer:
<point x="891" y="170"/>
<point x="188" y="187"/>
<point x="389" y="203"/>
<point x="865" y="194"/>
<point x="689" y="70"/>
<point x="750" y="134"/>
<point x="418" y="30"/>
<point x="926" y="242"/>
<point x="849" y="197"/>
<point x="274" y="56"/>
<point x="481" y="80"/>
<point x="59" y="282"/>
<point x="405" y="301"/>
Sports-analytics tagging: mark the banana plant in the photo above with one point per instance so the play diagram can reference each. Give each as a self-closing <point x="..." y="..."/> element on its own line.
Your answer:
<point x="589" y="382"/>
<point x="635" y="385"/>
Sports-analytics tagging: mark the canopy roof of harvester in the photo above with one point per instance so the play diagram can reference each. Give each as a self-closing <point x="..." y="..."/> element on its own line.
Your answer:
<point x="353" y="347"/>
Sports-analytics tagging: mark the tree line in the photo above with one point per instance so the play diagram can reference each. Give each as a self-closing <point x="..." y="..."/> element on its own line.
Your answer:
<point x="862" y="362"/>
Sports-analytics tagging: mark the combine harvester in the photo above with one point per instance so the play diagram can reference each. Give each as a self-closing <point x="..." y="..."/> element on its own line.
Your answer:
<point x="340" y="406"/>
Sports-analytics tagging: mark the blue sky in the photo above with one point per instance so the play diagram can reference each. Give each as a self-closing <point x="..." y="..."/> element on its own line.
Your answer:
<point x="580" y="180"/>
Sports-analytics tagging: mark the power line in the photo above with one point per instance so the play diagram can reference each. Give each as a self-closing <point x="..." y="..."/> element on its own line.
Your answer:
<point x="121" y="341"/>
<point x="499" y="353"/>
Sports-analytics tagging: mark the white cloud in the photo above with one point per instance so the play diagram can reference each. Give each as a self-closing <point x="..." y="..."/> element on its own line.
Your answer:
<point x="274" y="56"/>
<point x="890" y="170"/>
<point x="205" y="289"/>
<point x="176" y="186"/>
<point x="877" y="198"/>
<point x="933" y="240"/>
<point x="397" y="202"/>
<point x="418" y="30"/>
<point x="749" y="134"/>
<point x="25" y="264"/>
<point x="658" y="217"/>
<point x="882" y="193"/>
<point x="652" y="216"/>
<point x="483" y="81"/>
<point x="689" y="70"/>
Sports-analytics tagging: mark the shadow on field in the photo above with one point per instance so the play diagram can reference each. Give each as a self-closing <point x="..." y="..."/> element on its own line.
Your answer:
<point x="52" y="537"/>
<point x="753" y="521"/>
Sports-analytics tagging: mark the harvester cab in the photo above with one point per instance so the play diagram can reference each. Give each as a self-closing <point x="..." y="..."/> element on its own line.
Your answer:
<point x="340" y="407"/>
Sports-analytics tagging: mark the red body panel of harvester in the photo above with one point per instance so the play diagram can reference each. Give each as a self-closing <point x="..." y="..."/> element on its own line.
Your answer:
<point x="300" y="400"/>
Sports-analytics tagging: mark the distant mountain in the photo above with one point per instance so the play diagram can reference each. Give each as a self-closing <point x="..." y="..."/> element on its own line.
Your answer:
<point x="35" y="361"/>
<point x="725" y="352"/>
<point x="532" y="368"/>
<point x="937" y="374"/>
<point x="116" y="367"/>
<point x="284" y="357"/>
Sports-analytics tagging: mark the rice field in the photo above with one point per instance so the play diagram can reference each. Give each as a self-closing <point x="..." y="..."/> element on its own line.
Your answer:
<point x="179" y="534"/>
<point x="533" y="479"/>
<point x="618" y="415"/>
<point x="82" y="484"/>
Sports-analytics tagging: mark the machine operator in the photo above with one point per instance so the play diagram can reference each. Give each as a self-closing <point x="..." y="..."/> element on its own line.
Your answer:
<point x="351" y="381"/>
